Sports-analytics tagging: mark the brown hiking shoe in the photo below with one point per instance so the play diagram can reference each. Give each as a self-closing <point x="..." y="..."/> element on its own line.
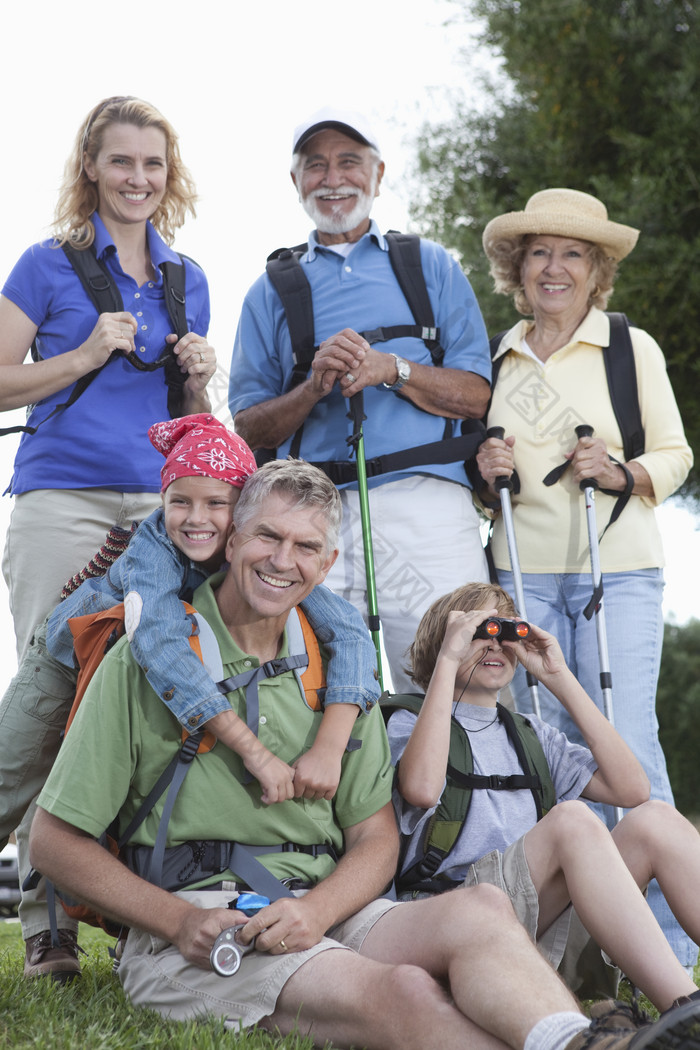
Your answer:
<point x="615" y="1029"/>
<point x="44" y="959"/>
<point x="616" y="1014"/>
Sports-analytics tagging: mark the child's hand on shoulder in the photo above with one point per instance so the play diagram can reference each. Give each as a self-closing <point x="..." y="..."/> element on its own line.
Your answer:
<point x="316" y="775"/>
<point x="275" y="777"/>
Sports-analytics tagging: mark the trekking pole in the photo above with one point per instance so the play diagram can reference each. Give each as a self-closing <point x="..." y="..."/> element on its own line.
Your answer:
<point x="595" y="606"/>
<point x="357" y="440"/>
<point x="504" y="486"/>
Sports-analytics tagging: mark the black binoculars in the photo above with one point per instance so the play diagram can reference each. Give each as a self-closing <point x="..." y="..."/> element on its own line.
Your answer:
<point x="504" y="630"/>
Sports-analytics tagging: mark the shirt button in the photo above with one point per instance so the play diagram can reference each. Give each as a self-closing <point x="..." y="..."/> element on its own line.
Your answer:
<point x="168" y="694"/>
<point x="144" y="327"/>
<point x="348" y="269"/>
<point x="194" y="720"/>
<point x="140" y="313"/>
<point x="262" y="720"/>
<point x="247" y="663"/>
<point x="137" y="295"/>
<point x="142" y="349"/>
<point x="150" y="284"/>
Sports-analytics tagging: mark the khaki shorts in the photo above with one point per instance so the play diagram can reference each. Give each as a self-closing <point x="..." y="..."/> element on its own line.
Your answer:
<point x="566" y="943"/>
<point x="154" y="973"/>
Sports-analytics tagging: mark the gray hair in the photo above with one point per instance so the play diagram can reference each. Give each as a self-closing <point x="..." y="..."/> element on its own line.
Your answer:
<point x="304" y="484"/>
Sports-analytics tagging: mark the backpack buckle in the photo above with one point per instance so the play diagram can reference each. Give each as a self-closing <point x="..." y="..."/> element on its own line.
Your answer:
<point x="274" y="667"/>
<point x="376" y="335"/>
<point x="497" y="782"/>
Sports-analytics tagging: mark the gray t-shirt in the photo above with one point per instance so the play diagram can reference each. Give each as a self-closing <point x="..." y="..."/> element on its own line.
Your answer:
<point x="496" y="818"/>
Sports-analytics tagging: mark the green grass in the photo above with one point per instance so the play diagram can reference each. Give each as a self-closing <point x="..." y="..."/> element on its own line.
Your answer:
<point x="93" y="1014"/>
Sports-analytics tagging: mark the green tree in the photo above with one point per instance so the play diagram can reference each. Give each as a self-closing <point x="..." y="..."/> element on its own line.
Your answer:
<point x="678" y="708"/>
<point x="601" y="96"/>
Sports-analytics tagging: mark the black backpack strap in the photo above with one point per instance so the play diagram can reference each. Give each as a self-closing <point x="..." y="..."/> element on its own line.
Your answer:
<point x="290" y="282"/>
<point x="95" y="279"/>
<point x="621" y="373"/>
<point x="404" y="255"/>
<point x="174" y="287"/>
<point x="292" y="286"/>
<point x="450" y="450"/>
<point x="106" y="298"/>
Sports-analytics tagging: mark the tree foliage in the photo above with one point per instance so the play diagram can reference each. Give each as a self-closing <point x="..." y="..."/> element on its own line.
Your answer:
<point x="678" y="708"/>
<point x="600" y="96"/>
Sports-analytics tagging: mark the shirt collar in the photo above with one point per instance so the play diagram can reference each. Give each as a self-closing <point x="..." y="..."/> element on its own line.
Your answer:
<point x="373" y="232"/>
<point x="594" y="329"/>
<point x="158" y="249"/>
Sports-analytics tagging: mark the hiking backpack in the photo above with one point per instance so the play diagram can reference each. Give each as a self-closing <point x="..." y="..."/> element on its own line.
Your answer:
<point x="95" y="634"/>
<point x="102" y="290"/>
<point x="291" y="284"/>
<point x="445" y="826"/>
<point x="621" y="374"/>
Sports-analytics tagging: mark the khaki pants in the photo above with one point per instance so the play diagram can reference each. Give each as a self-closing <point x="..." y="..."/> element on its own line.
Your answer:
<point x="155" y="975"/>
<point x="53" y="533"/>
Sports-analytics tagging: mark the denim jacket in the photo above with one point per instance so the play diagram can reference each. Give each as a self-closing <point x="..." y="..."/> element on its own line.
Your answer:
<point x="157" y="577"/>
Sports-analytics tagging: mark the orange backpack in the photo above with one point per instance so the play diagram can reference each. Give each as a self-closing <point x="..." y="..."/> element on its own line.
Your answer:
<point x="94" y="635"/>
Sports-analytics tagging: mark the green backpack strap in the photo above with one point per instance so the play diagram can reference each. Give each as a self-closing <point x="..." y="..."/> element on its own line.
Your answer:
<point x="446" y="823"/>
<point x="531" y="757"/>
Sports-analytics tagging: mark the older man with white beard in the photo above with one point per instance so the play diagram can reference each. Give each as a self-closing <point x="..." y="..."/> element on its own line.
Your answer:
<point x="418" y="384"/>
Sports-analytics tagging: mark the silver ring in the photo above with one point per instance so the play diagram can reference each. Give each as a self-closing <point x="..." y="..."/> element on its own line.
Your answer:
<point x="201" y="357"/>
<point x="350" y="378"/>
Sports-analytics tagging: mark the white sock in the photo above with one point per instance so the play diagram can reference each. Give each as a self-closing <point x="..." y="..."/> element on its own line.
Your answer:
<point x="556" y="1031"/>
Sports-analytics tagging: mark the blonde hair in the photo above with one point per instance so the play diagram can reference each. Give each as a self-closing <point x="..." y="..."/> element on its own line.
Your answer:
<point x="506" y="257"/>
<point x="424" y="651"/>
<point x="79" y="198"/>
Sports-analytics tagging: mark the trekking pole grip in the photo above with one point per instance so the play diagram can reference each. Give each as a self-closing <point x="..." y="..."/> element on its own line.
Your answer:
<point x="502" y="482"/>
<point x="583" y="430"/>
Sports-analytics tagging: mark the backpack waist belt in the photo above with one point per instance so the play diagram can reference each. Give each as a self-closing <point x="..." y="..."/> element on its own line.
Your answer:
<point x="450" y="451"/>
<point x="194" y="861"/>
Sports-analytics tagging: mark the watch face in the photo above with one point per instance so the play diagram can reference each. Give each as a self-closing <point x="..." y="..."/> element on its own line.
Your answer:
<point x="404" y="369"/>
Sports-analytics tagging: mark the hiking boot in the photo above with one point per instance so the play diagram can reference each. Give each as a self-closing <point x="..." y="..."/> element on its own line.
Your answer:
<point x="44" y="959"/>
<point x="677" y="1029"/>
<point x="616" y="1014"/>
<point x="684" y="999"/>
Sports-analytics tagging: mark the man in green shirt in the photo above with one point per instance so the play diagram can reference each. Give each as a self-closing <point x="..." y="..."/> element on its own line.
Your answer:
<point x="331" y="959"/>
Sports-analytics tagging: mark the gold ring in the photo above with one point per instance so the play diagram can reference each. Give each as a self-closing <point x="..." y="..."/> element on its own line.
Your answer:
<point x="201" y="357"/>
<point x="283" y="946"/>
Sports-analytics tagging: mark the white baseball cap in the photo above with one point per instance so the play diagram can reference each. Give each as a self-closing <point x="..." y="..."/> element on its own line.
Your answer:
<point x="349" y="122"/>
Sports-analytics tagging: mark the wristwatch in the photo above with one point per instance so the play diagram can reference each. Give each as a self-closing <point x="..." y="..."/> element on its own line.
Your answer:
<point x="403" y="373"/>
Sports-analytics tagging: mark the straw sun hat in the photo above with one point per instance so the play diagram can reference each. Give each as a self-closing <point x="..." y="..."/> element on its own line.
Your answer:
<point x="564" y="213"/>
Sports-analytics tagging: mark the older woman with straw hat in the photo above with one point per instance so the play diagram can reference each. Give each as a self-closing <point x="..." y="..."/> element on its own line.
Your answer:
<point x="558" y="259"/>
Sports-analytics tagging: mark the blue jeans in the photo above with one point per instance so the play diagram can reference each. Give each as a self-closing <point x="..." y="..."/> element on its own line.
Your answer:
<point x="634" y="629"/>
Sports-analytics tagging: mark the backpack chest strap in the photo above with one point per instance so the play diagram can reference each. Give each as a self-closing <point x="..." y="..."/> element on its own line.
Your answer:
<point x="249" y="680"/>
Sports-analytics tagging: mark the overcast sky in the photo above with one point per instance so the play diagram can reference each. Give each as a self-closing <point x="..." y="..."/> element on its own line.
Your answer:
<point x="234" y="80"/>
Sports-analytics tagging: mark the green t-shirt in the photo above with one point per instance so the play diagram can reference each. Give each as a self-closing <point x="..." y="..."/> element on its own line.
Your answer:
<point x="124" y="736"/>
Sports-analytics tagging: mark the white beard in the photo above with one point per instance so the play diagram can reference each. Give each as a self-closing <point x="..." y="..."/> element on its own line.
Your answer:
<point x="339" y="221"/>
